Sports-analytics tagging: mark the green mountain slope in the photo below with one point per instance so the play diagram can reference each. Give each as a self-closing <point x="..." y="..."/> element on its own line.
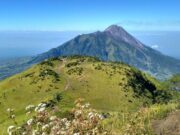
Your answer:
<point x="115" y="44"/>
<point x="107" y="86"/>
<point x="11" y="66"/>
<point x="174" y="83"/>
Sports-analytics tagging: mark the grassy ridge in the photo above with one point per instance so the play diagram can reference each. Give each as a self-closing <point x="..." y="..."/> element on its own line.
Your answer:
<point x="109" y="87"/>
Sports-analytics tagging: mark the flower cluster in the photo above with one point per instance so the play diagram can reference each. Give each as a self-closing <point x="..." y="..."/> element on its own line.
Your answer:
<point x="84" y="120"/>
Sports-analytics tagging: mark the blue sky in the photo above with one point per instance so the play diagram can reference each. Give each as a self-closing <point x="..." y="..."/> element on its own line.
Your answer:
<point x="89" y="15"/>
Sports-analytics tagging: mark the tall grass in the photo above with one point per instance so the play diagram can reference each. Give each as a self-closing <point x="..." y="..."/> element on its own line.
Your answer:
<point x="138" y="123"/>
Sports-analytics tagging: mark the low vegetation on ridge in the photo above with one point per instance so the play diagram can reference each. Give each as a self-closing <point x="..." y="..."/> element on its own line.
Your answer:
<point x="112" y="89"/>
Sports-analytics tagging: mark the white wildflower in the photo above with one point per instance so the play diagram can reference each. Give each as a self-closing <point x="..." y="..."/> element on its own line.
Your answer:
<point x="52" y="118"/>
<point x="13" y="116"/>
<point x="28" y="113"/>
<point x="87" y="105"/>
<point x="10" y="110"/>
<point x="42" y="109"/>
<point x="55" y="128"/>
<point x="61" y="133"/>
<point x="91" y="115"/>
<point x="64" y="120"/>
<point x="76" y="134"/>
<point x="101" y="116"/>
<point x="51" y="123"/>
<point x="39" y="105"/>
<point x="18" y="128"/>
<point x="78" y="113"/>
<point x="43" y="105"/>
<point x="44" y="133"/>
<point x="30" y="121"/>
<point x="24" y="133"/>
<point x="68" y="124"/>
<point x="10" y="129"/>
<point x="45" y="127"/>
<point x="36" y="109"/>
<point x="30" y="107"/>
<point x="39" y="124"/>
<point x="35" y="132"/>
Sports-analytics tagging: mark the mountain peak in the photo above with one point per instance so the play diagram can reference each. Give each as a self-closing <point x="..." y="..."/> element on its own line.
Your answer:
<point x="114" y="29"/>
<point x="121" y="34"/>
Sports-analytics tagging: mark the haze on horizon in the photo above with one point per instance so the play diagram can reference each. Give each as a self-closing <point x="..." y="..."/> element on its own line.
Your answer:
<point x="32" y="27"/>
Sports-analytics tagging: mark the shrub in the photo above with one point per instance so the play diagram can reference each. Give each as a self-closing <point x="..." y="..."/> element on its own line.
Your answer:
<point x="47" y="62"/>
<point x="72" y="64"/>
<point x="76" y="70"/>
<point x="50" y="72"/>
<point x="85" y="120"/>
<point x="98" y="67"/>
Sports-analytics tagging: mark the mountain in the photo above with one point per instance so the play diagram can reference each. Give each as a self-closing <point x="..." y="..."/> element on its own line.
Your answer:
<point x="109" y="87"/>
<point x="173" y="83"/>
<point x="115" y="44"/>
<point x="112" y="44"/>
<point x="13" y="66"/>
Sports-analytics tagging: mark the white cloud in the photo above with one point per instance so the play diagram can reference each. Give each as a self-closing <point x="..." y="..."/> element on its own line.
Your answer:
<point x="154" y="46"/>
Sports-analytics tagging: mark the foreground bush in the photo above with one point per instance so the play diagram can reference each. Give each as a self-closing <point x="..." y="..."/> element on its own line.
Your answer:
<point x="138" y="123"/>
<point x="83" y="120"/>
<point x="42" y="122"/>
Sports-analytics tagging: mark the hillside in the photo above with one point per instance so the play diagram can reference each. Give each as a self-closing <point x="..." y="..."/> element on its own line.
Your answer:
<point x="11" y="66"/>
<point x="173" y="83"/>
<point x="109" y="87"/>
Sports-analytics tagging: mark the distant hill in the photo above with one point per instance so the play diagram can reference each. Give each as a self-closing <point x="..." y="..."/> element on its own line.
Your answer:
<point x="173" y="83"/>
<point x="107" y="86"/>
<point x="113" y="44"/>
<point x="11" y="66"/>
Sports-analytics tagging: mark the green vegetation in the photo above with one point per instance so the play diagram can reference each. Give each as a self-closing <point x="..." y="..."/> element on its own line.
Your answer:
<point x="138" y="122"/>
<point x="84" y="120"/>
<point x="114" y="89"/>
<point x="116" y="44"/>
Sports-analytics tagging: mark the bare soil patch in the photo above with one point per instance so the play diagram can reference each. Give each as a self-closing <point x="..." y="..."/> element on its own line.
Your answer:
<point x="167" y="126"/>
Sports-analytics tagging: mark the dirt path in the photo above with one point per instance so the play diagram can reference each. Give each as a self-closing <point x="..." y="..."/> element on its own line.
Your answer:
<point x="168" y="126"/>
<point x="61" y="69"/>
<point x="67" y="84"/>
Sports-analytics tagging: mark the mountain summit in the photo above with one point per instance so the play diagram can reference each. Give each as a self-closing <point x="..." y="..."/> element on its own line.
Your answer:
<point x="115" y="44"/>
<point x="114" y="29"/>
<point x="121" y="34"/>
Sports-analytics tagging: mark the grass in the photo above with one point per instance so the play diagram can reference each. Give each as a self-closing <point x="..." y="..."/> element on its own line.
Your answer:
<point x="138" y="122"/>
<point x="104" y="85"/>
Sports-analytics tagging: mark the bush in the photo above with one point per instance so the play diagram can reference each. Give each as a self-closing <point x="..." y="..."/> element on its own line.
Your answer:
<point x="76" y="70"/>
<point x="98" y="67"/>
<point x="72" y="64"/>
<point x="47" y="62"/>
<point x="50" y="72"/>
<point x="85" y="120"/>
